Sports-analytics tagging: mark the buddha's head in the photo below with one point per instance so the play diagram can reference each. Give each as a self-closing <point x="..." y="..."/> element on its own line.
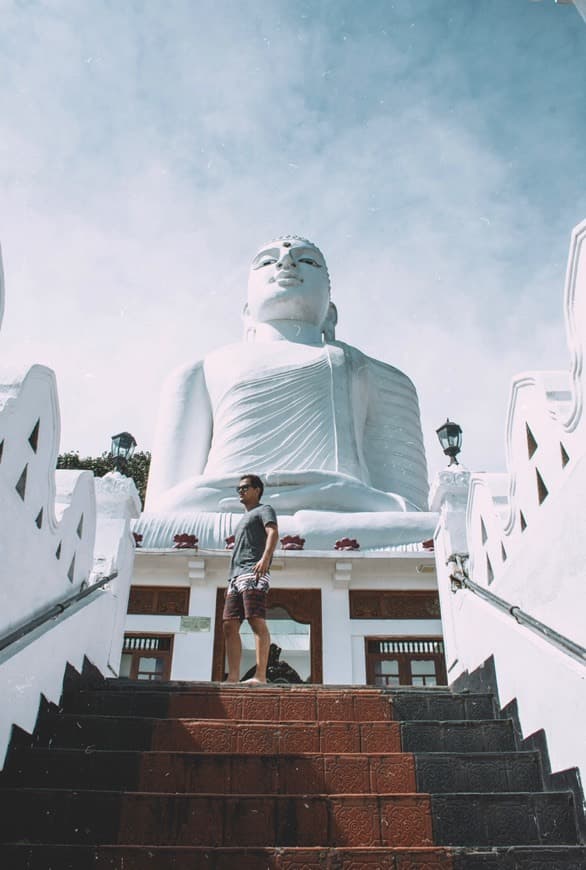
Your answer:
<point x="289" y="280"/>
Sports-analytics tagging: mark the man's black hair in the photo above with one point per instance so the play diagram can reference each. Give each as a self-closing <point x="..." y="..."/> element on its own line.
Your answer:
<point x="255" y="481"/>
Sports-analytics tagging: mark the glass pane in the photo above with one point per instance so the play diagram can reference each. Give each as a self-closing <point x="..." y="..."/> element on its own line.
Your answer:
<point x="125" y="664"/>
<point x="387" y="666"/>
<point x="150" y="666"/>
<point x="386" y="680"/>
<point x="424" y="681"/>
<point x="422" y="666"/>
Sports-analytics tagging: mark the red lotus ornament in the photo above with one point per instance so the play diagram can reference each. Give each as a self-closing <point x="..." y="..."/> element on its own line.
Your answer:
<point x="292" y="542"/>
<point x="185" y="542"/>
<point x="347" y="544"/>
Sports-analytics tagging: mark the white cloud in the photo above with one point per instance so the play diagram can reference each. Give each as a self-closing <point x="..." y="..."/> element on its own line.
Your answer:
<point x="146" y="151"/>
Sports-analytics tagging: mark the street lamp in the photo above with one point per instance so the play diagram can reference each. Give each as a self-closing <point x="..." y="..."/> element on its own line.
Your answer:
<point x="450" y="437"/>
<point x="123" y="446"/>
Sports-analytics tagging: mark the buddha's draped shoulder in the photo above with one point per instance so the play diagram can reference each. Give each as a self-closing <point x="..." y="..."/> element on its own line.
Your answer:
<point x="272" y="408"/>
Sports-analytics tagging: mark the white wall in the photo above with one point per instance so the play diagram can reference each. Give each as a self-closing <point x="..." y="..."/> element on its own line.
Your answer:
<point x="334" y="574"/>
<point x="54" y="543"/>
<point x="525" y="540"/>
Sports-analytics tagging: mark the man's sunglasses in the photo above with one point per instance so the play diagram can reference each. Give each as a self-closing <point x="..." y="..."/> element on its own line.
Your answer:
<point x="244" y="487"/>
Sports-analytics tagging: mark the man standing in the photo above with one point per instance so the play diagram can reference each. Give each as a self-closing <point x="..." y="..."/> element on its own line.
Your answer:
<point x="246" y="598"/>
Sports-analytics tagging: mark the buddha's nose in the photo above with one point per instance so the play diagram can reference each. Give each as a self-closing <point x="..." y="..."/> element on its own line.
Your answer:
<point x="286" y="260"/>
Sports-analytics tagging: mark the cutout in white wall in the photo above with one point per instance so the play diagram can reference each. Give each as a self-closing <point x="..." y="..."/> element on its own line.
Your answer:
<point x="33" y="438"/>
<point x="503" y="553"/>
<point x="565" y="457"/>
<point x="531" y="442"/>
<point x="39" y="519"/>
<point x="489" y="571"/>
<point x="58" y="551"/>
<point x="542" y="490"/>
<point x="71" y="572"/>
<point x="483" y="531"/>
<point x="21" y="483"/>
<point x="523" y="521"/>
<point x="80" y="527"/>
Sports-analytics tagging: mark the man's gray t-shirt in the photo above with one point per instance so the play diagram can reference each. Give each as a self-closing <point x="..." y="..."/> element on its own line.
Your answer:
<point x="250" y="538"/>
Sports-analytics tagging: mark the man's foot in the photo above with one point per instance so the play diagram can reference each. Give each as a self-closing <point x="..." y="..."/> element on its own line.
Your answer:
<point x="230" y="680"/>
<point x="254" y="681"/>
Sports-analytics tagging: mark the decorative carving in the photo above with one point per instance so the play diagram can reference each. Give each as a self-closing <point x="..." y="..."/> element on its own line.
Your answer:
<point x="230" y="540"/>
<point x="292" y="542"/>
<point x="388" y="604"/>
<point x="137" y="540"/>
<point x="277" y="671"/>
<point x="159" y="599"/>
<point x="185" y="542"/>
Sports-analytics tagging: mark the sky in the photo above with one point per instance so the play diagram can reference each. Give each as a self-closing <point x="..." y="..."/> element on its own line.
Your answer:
<point x="433" y="149"/>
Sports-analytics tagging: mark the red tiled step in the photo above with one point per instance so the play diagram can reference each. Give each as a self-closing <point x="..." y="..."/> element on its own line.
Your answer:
<point x="213" y="774"/>
<point x="24" y="857"/>
<point x="188" y="735"/>
<point x="260" y="704"/>
<point x="54" y="816"/>
<point x="194" y="858"/>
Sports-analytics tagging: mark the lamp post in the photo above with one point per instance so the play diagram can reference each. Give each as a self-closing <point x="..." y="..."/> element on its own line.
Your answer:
<point x="123" y="446"/>
<point x="450" y="438"/>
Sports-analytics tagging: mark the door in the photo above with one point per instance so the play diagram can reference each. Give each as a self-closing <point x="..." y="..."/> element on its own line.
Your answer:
<point x="294" y="620"/>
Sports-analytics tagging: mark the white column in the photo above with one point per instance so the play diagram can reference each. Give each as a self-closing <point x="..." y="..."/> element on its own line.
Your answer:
<point x="449" y="496"/>
<point x="337" y="648"/>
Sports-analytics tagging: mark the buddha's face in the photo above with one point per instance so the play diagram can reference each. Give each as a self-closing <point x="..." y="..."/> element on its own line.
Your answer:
<point x="288" y="281"/>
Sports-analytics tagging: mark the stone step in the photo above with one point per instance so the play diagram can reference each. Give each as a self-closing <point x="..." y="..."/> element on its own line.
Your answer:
<point x="272" y="774"/>
<point x="98" y="817"/>
<point x="192" y="735"/>
<point x="276" y="705"/>
<point x="439" y="772"/>
<point x="452" y="736"/>
<point x="26" y="857"/>
<point x="124" y="684"/>
<point x="263" y="705"/>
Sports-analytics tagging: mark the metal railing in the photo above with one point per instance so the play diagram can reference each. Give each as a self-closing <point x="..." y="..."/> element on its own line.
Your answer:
<point x="459" y="579"/>
<point x="52" y="613"/>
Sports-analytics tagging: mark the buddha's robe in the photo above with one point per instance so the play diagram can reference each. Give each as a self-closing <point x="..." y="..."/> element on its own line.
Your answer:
<point x="327" y="428"/>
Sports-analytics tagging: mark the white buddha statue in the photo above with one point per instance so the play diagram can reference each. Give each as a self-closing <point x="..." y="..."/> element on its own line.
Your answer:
<point x="334" y="434"/>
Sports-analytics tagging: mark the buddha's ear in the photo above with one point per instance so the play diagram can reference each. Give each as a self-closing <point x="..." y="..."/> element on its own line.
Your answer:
<point x="249" y="327"/>
<point x="329" y="324"/>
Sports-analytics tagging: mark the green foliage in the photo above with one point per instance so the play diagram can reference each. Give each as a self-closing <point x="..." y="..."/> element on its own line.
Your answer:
<point x="137" y="467"/>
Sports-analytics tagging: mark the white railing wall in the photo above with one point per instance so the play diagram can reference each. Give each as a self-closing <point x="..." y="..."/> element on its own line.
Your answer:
<point x="524" y="535"/>
<point x="54" y="542"/>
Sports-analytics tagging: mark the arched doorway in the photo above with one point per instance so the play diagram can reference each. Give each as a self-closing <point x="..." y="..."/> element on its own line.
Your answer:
<point x="294" y="615"/>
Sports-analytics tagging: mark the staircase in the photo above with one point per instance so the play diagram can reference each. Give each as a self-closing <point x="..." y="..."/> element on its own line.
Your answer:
<point x="198" y="775"/>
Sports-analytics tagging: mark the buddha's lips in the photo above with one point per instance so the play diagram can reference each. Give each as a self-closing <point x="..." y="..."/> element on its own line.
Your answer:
<point x="287" y="279"/>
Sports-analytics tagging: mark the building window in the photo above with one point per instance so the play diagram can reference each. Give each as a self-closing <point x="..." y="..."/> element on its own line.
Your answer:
<point x="162" y="600"/>
<point x="147" y="657"/>
<point x="405" y="661"/>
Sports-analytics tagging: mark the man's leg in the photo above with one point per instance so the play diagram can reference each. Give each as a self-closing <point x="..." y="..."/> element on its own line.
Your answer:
<point x="262" y="641"/>
<point x="232" y="619"/>
<point x="233" y="649"/>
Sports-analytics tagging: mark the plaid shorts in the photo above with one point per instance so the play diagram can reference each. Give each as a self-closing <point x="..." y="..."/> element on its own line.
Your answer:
<point x="246" y="597"/>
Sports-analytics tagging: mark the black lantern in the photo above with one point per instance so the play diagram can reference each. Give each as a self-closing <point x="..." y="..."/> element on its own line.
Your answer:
<point x="123" y="446"/>
<point x="450" y="437"/>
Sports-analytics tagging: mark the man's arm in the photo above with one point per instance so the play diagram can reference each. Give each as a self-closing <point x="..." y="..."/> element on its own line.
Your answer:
<point x="264" y="563"/>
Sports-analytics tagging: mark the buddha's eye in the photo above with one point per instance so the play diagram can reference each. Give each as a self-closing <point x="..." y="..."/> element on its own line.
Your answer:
<point x="310" y="262"/>
<point x="265" y="261"/>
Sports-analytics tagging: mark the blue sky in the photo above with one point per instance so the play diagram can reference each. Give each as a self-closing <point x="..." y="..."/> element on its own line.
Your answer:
<point x="434" y="149"/>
